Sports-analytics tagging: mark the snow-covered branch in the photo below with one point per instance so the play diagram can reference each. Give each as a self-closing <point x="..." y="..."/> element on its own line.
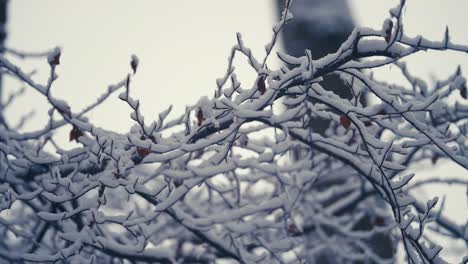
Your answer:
<point x="234" y="177"/>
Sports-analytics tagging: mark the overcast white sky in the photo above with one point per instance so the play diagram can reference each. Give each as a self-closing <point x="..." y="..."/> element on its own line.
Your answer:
<point x="183" y="47"/>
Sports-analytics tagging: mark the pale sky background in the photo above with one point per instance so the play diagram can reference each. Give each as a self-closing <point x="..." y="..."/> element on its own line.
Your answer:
<point x="183" y="47"/>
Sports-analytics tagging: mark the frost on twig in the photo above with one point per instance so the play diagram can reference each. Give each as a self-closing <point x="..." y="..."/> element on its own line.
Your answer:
<point x="221" y="181"/>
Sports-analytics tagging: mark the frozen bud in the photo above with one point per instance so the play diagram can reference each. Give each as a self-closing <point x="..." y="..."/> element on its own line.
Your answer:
<point x="75" y="133"/>
<point x="143" y="152"/>
<point x="345" y="121"/>
<point x="387" y="28"/>
<point x="54" y="57"/>
<point x="177" y="182"/>
<point x="200" y="117"/>
<point x="294" y="230"/>
<point x="463" y="91"/>
<point x="134" y="63"/>
<point x="261" y="84"/>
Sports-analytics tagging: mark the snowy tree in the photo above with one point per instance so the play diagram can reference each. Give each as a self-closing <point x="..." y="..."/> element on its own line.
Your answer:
<point x="219" y="181"/>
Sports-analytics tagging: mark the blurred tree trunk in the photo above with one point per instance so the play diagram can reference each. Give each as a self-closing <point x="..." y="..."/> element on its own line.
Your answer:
<point x="321" y="26"/>
<point x="3" y="34"/>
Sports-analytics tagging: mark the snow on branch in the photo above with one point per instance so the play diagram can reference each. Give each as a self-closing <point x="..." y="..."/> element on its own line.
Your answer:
<point x="234" y="178"/>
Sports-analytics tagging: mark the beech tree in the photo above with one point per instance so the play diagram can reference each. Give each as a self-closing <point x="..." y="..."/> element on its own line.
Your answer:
<point x="219" y="182"/>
